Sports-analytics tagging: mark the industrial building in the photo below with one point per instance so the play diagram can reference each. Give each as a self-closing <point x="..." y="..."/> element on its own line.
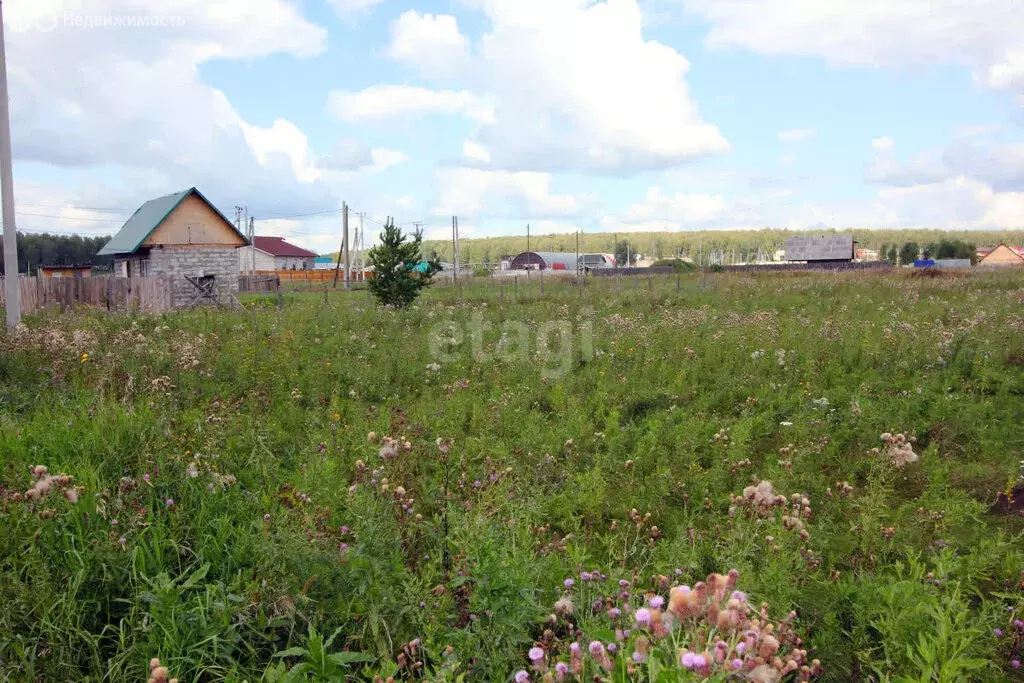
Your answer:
<point x="561" y="261"/>
<point x="821" y="248"/>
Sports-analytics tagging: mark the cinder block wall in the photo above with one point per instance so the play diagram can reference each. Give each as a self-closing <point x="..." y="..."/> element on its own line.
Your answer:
<point x="195" y="261"/>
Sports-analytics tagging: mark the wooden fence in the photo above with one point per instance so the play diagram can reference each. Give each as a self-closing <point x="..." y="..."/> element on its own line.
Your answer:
<point x="249" y="284"/>
<point x="317" y="276"/>
<point x="147" y="294"/>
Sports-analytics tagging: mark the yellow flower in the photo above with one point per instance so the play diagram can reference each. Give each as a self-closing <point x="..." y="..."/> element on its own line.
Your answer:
<point x="85" y="357"/>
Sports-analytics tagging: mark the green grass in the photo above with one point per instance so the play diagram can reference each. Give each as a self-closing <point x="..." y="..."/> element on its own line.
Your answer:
<point x="245" y="577"/>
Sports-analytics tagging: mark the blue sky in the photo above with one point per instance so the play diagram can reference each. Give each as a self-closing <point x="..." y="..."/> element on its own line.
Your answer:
<point x="615" y="115"/>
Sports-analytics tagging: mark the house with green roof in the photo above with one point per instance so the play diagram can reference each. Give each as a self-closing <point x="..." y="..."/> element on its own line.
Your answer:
<point x="182" y="236"/>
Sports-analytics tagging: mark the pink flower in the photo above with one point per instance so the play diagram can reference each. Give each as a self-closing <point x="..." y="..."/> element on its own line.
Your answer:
<point x="522" y="676"/>
<point x="737" y="664"/>
<point x="643" y="616"/>
<point x="169" y="502"/>
<point x="561" y="671"/>
<point x="688" y="660"/>
<point x="657" y="602"/>
<point x="596" y="649"/>
<point x="569" y="583"/>
<point x="536" y="654"/>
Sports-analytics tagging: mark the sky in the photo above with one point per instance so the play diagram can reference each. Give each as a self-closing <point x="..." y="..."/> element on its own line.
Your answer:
<point x="613" y="115"/>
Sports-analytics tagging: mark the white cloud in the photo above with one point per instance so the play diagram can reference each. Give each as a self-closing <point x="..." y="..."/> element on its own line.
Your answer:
<point x="148" y="116"/>
<point x="575" y="86"/>
<point x="347" y="8"/>
<point x="384" y="159"/>
<point x="1008" y="73"/>
<point x="430" y="43"/>
<point x="923" y="169"/>
<point x="972" y="155"/>
<point x="481" y="193"/>
<point x="677" y="208"/>
<point x="381" y="102"/>
<point x="985" y="35"/>
<point x="797" y="134"/>
<point x="475" y="151"/>
<point x="285" y="139"/>
<point x="1001" y="166"/>
<point x="883" y="144"/>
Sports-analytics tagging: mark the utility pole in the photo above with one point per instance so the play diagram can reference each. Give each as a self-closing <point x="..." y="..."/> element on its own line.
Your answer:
<point x="455" y="249"/>
<point x="529" y="258"/>
<point x="341" y="249"/>
<point x="348" y="261"/>
<point x="252" y="245"/>
<point x="577" y="252"/>
<point x="362" y="246"/>
<point x="12" y="287"/>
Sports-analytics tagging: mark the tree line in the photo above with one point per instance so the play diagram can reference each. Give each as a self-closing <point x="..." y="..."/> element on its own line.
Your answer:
<point x="709" y="246"/>
<point x="35" y="250"/>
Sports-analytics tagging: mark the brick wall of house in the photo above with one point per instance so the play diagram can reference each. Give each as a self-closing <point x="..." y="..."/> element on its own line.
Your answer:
<point x="195" y="261"/>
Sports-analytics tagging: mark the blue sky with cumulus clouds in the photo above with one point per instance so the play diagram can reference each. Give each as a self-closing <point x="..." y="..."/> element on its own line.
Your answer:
<point x="613" y="115"/>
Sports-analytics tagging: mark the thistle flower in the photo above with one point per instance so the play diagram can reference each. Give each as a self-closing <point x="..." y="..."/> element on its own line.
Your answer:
<point x="522" y="676"/>
<point x="657" y="602"/>
<point x="561" y="671"/>
<point x="536" y="654"/>
<point x="596" y="649"/>
<point x="169" y="502"/>
<point x="1015" y="663"/>
<point x="569" y="583"/>
<point x="643" y="617"/>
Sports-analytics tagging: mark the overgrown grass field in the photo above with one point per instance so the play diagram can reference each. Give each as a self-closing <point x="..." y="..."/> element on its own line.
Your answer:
<point x="538" y="487"/>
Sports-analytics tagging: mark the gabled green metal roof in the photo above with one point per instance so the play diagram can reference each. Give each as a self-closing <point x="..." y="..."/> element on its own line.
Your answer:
<point x="148" y="218"/>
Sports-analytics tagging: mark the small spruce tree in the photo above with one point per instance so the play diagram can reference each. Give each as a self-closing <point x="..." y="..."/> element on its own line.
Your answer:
<point x="398" y="271"/>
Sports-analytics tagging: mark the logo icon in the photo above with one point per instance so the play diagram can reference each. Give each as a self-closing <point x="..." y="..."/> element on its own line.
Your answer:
<point x="44" y="23"/>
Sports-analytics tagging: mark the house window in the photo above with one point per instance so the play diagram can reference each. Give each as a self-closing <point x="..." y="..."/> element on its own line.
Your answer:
<point x="144" y="268"/>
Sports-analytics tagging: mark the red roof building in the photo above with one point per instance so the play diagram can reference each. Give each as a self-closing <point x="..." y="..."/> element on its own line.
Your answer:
<point x="273" y="253"/>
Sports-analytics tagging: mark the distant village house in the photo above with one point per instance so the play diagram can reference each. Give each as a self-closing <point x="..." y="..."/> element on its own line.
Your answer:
<point x="78" y="270"/>
<point x="1002" y="256"/>
<point x="273" y="253"/>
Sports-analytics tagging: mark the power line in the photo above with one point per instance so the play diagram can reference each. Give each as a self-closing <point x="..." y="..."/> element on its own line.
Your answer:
<point x="72" y="218"/>
<point x="278" y="216"/>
